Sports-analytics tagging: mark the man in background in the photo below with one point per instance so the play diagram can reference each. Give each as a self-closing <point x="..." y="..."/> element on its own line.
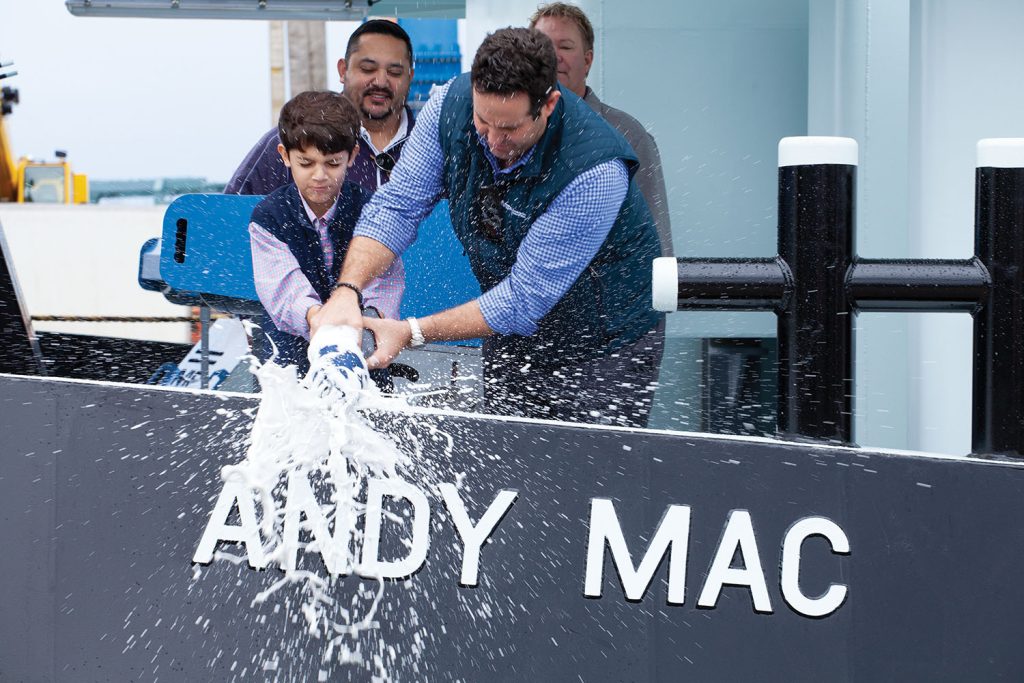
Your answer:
<point x="375" y="75"/>
<point x="573" y="37"/>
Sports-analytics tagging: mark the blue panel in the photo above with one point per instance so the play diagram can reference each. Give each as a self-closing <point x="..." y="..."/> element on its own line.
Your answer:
<point x="435" y="45"/>
<point x="206" y="245"/>
<point x="206" y="250"/>
<point x="437" y="273"/>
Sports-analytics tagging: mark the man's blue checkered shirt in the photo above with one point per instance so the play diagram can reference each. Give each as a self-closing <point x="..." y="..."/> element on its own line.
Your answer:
<point x="557" y="248"/>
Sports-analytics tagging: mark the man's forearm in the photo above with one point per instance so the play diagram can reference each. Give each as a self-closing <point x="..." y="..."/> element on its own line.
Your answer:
<point x="462" y="322"/>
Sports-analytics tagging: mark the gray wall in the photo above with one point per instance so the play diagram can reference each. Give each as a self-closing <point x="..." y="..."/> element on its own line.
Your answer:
<point x="917" y="84"/>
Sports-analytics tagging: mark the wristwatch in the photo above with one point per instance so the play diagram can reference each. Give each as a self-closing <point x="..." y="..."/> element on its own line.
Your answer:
<point x="417" y="333"/>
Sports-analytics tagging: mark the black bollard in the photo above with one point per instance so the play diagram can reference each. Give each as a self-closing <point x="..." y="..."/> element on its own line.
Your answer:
<point x="998" y="421"/>
<point x="817" y="185"/>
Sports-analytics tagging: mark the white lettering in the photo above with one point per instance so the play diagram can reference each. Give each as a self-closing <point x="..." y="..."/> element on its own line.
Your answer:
<point x="473" y="537"/>
<point x="217" y="529"/>
<point x="372" y="566"/>
<point x="333" y="549"/>
<point x="673" y="532"/>
<point x="832" y="598"/>
<point x="739" y="533"/>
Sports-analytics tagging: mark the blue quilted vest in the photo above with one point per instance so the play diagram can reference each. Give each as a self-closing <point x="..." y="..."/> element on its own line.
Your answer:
<point x="281" y="214"/>
<point x="609" y="305"/>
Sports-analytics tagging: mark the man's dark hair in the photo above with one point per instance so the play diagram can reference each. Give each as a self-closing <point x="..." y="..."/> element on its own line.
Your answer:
<point x="321" y="119"/>
<point x="382" y="27"/>
<point x="562" y="10"/>
<point x="514" y="60"/>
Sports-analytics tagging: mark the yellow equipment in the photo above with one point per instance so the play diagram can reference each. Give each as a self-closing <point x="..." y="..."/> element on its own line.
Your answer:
<point x="31" y="180"/>
<point x="50" y="182"/>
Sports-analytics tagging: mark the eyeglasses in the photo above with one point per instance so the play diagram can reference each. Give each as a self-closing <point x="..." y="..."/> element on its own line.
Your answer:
<point x="386" y="163"/>
<point x="489" y="212"/>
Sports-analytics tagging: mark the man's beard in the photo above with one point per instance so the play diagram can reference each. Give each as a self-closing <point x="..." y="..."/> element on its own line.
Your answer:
<point x="387" y="113"/>
<point x="371" y="116"/>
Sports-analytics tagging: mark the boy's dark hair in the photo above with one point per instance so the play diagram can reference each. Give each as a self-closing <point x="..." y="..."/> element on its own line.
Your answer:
<point x="382" y="27"/>
<point x="321" y="119"/>
<point x="562" y="10"/>
<point x="513" y="60"/>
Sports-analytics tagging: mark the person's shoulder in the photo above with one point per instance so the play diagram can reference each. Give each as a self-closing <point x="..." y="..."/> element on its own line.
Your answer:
<point x="269" y="208"/>
<point x="271" y="137"/>
<point x="624" y="121"/>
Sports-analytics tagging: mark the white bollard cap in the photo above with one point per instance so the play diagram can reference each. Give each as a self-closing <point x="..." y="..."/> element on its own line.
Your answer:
<point x="665" y="281"/>
<point x="810" y="150"/>
<point x="1001" y="152"/>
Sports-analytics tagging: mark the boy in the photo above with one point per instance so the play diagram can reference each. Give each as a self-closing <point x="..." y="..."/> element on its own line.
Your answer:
<point x="300" y="232"/>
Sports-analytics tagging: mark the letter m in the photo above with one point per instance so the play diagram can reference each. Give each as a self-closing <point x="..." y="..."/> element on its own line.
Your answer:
<point x="672" y="537"/>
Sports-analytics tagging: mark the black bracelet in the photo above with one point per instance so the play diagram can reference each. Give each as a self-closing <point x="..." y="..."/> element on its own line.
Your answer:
<point x="349" y="285"/>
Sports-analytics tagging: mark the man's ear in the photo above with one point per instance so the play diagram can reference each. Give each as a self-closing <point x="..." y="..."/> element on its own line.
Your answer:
<point x="342" y="69"/>
<point x="549" y="105"/>
<point x="353" y="155"/>
<point x="588" y="59"/>
<point x="284" y="155"/>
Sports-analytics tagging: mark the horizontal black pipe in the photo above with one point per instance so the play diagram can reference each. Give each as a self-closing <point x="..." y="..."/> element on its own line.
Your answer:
<point x="756" y="284"/>
<point x="920" y="285"/>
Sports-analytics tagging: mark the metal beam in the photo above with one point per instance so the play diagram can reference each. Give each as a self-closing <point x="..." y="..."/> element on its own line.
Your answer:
<point x="271" y="10"/>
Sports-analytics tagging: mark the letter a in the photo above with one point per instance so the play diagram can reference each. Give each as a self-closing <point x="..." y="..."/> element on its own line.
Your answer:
<point x="217" y="529"/>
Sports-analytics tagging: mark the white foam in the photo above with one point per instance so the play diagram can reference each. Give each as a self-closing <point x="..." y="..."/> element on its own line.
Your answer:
<point x="302" y="430"/>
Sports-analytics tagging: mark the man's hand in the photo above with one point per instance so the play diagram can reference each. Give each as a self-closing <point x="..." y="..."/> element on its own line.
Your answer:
<point x="341" y="309"/>
<point x="392" y="336"/>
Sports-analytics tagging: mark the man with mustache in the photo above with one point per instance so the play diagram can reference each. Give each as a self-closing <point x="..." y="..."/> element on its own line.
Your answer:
<point x="375" y="73"/>
<point x="573" y="37"/>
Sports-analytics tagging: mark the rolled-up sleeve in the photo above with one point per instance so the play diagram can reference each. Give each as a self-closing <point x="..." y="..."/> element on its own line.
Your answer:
<point x="557" y="248"/>
<point x="283" y="288"/>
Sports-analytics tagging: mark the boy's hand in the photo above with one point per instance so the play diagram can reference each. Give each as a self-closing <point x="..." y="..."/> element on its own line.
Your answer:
<point x="392" y="336"/>
<point x="313" y="310"/>
<point x="341" y="309"/>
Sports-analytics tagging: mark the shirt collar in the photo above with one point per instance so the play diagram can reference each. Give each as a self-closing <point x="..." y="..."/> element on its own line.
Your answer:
<point x="327" y="217"/>
<point x="495" y="166"/>
<point x="401" y="134"/>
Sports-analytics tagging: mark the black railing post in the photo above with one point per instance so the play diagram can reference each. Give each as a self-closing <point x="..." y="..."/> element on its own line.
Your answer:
<point x="817" y="284"/>
<point x="817" y="178"/>
<point x="998" y="421"/>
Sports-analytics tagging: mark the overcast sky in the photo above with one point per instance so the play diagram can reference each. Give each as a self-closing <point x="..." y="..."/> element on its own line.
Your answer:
<point x="139" y="98"/>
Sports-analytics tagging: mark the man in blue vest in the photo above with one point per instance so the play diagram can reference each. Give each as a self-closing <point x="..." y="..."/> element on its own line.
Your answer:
<point x="556" y="231"/>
